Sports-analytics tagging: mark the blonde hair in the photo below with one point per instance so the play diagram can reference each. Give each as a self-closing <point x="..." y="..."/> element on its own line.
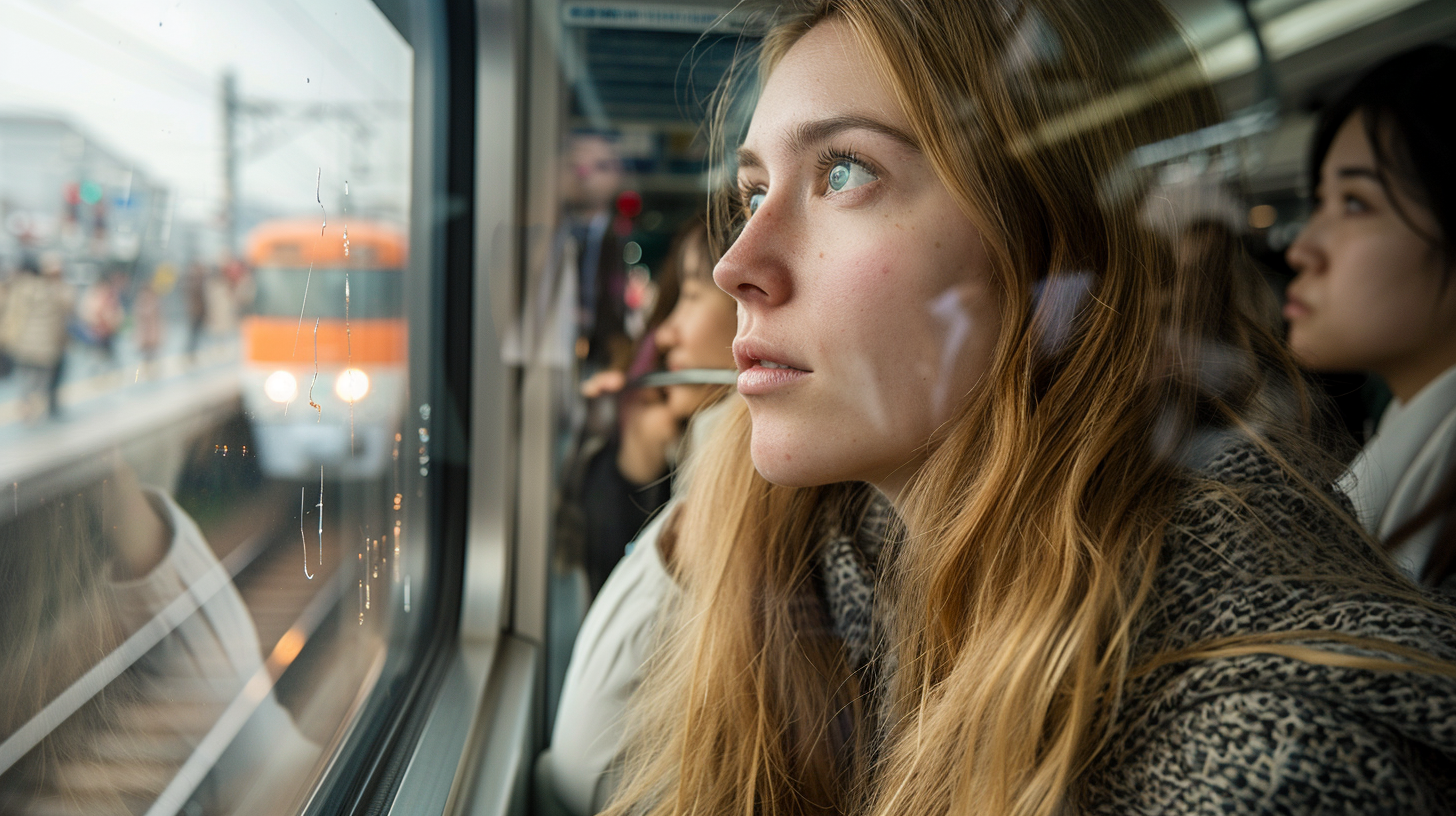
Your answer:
<point x="1035" y="525"/>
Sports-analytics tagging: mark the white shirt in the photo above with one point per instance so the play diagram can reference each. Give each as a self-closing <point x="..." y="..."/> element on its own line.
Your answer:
<point x="615" y="641"/>
<point x="1403" y="465"/>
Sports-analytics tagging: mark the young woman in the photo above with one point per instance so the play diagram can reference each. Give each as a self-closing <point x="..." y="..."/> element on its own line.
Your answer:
<point x="1120" y="585"/>
<point x="626" y="483"/>
<point x="625" y="474"/>
<point x="1374" y="293"/>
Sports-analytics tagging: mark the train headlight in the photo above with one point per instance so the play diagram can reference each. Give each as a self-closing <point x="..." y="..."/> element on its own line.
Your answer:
<point x="280" y="387"/>
<point x="352" y="385"/>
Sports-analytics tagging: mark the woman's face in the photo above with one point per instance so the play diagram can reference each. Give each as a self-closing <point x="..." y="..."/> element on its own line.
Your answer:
<point x="865" y="309"/>
<point x="698" y="332"/>
<point x="1368" y="294"/>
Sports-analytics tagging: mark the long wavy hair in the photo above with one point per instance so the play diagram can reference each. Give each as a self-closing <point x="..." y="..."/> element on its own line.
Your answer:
<point x="1032" y="532"/>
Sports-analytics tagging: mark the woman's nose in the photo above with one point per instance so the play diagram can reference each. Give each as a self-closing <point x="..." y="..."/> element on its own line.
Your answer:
<point x="666" y="335"/>
<point x="755" y="269"/>
<point x="1304" y="253"/>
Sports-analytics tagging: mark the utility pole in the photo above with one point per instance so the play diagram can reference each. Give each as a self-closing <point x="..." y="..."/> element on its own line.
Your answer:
<point x="254" y="127"/>
<point x="230" y="161"/>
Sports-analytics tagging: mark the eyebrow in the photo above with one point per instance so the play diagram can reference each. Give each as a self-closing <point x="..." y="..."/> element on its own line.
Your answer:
<point x="807" y="134"/>
<point x="1357" y="172"/>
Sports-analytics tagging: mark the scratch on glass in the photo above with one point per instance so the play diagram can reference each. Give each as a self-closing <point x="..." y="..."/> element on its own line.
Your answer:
<point x="368" y="566"/>
<point x="361" y="590"/>
<point x="306" y="281"/>
<point x="301" y="535"/>
<point x="311" y="403"/>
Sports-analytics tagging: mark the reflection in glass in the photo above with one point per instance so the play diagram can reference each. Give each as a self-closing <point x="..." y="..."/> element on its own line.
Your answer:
<point x="198" y="568"/>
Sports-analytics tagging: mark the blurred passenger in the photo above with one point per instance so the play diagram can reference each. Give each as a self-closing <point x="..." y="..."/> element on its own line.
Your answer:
<point x="1226" y="340"/>
<point x="1100" y="595"/>
<point x="692" y="328"/>
<point x="591" y="177"/>
<point x="627" y="478"/>
<point x="33" y="330"/>
<point x="1376" y="292"/>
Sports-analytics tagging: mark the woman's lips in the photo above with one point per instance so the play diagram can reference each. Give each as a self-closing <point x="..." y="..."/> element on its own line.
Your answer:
<point x="761" y="369"/>
<point x="1295" y="309"/>
<point x="760" y="379"/>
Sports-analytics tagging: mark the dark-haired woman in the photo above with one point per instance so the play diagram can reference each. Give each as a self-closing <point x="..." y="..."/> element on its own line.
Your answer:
<point x="1375" y="293"/>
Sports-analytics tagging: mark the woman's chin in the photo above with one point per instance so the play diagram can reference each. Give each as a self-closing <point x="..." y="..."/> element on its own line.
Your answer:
<point x="791" y="466"/>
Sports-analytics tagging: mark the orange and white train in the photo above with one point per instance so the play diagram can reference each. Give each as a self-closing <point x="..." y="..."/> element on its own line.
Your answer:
<point x="324" y="348"/>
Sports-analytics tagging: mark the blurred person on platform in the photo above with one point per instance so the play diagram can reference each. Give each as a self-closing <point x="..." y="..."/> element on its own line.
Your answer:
<point x="147" y="323"/>
<point x="37" y="309"/>
<point x="1376" y="292"/>
<point x="101" y="314"/>
<point x="195" y="290"/>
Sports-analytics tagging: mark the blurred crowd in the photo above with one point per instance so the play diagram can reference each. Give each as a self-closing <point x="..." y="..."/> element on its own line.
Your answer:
<point x="50" y="321"/>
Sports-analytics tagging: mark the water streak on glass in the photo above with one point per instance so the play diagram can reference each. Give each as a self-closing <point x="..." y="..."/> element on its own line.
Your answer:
<point x="320" y="507"/>
<point x="311" y="403"/>
<point x="318" y="196"/>
<point x="346" y="218"/>
<point x="303" y="537"/>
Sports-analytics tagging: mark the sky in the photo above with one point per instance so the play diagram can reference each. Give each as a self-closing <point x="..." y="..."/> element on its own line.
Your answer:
<point x="143" y="78"/>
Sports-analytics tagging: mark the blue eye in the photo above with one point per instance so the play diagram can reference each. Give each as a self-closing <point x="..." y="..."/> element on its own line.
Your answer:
<point x="847" y="175"/>
<point x="754" y="202"/>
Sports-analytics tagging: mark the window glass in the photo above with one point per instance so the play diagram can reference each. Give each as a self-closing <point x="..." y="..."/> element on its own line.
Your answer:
<point x="209" y="452"/>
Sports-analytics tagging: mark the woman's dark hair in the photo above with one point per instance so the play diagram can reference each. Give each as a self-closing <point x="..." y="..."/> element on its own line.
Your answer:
<point x="1411" y="127"/>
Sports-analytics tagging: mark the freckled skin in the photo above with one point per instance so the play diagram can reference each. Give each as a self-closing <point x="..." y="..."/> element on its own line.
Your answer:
<point x="881" y="291"/>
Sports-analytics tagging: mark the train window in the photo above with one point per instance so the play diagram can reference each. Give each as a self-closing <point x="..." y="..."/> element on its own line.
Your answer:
<point x="214" y="449"/>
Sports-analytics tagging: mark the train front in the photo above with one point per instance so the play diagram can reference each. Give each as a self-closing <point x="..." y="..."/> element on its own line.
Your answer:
<point x="324" y="349"/>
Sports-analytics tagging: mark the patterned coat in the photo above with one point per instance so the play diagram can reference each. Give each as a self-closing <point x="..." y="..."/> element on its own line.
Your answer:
<point x="1259" y="733"/>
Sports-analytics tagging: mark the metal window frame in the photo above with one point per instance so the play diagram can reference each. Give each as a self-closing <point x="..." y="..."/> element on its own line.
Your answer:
<point x="459" y="740"/>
